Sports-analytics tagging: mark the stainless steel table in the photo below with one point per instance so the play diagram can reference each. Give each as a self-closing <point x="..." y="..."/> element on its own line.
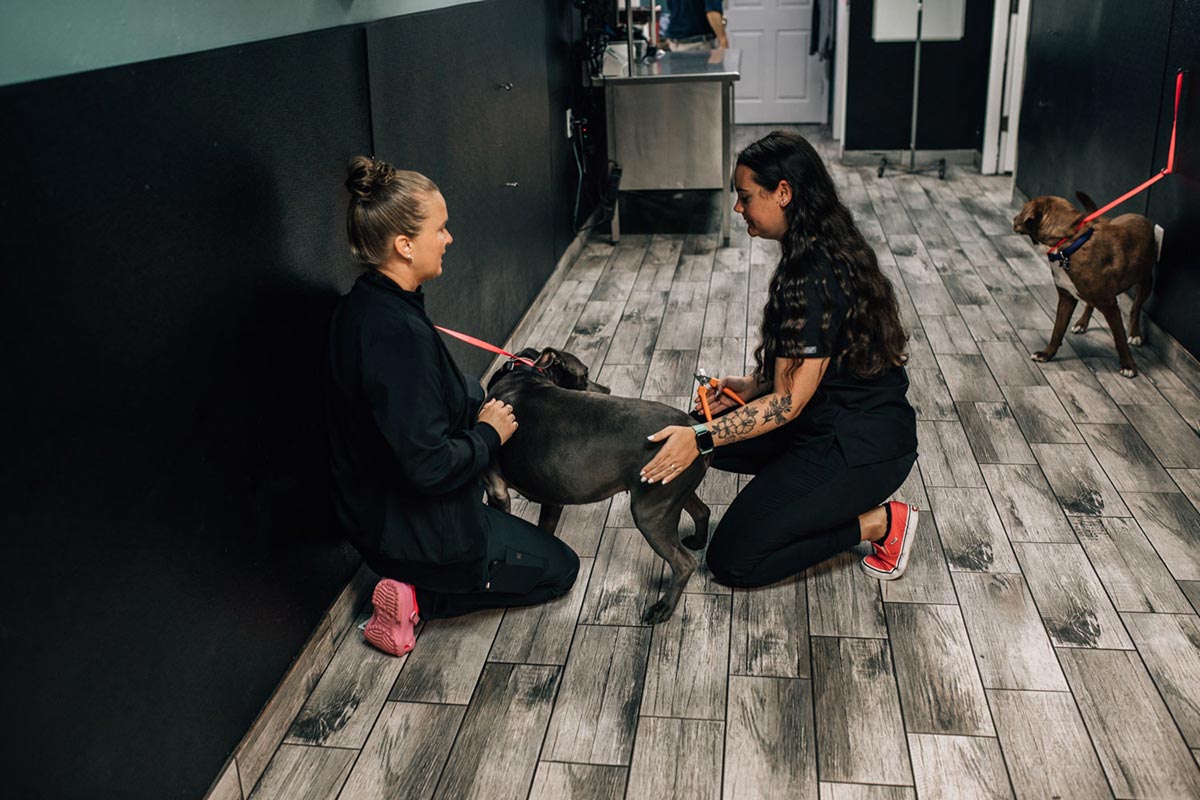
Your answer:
<point x="670" y="125"/>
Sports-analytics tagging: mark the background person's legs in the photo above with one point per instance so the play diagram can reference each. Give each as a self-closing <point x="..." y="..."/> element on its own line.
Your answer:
<point x="799" y="510"/>
<point x="526" y="566"/>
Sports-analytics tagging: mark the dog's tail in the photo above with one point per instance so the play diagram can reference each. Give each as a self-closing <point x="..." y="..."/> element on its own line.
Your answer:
<point x="1089" y="205"/>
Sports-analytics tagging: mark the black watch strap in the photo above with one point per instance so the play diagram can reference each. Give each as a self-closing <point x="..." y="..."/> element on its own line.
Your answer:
<point x="704" y="438"/>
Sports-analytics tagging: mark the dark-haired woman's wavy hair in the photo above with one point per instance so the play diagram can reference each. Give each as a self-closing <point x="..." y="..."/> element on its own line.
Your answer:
<point x="819" y="226"/>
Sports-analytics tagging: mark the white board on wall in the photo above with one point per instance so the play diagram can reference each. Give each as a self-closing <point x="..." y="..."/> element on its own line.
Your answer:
<point x="896" y="20"/>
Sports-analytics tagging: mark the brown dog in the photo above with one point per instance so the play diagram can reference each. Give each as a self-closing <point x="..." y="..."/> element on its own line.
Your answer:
<point x="1119" y="254"/>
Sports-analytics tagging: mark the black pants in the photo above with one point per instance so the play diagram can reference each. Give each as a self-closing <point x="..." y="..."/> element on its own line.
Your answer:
<point x="526" y="566"/>
<point x="801" y="508"/>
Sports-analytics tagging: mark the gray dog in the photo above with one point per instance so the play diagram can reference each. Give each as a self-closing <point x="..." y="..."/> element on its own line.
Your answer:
<point x="578" y="444"/>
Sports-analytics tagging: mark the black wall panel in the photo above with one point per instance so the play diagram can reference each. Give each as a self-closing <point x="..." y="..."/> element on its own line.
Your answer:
<point x="478" y="125"/>
<point x="953" y="92"/>
<point x="1089" y="110"/>
<point x="1096" y="117"/>
<point x="1174" y="202"/>
<point x="172" y="243"/>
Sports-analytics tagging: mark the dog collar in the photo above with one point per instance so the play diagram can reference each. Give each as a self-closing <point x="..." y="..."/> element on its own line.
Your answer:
<point x="515" y="365"/>
<point x="1064" y="255"/>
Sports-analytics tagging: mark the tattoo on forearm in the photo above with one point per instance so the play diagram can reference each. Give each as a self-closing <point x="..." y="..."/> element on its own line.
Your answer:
<point x="735" y="423"/>
<point x="778" y="409"/>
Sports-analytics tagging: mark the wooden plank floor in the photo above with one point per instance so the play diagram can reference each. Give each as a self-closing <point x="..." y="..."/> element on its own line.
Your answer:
<point x="1045" y="642"/>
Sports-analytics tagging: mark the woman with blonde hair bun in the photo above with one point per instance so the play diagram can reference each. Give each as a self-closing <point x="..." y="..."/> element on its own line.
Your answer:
<point x="410" y="434"/>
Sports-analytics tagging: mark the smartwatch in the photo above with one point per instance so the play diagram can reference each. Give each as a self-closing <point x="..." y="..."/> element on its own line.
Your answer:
<point x="704" y="439"/>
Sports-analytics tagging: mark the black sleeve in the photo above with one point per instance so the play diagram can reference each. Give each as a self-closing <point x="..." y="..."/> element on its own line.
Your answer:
<point x="404" y="387"/>
<point x="807" y="337"/>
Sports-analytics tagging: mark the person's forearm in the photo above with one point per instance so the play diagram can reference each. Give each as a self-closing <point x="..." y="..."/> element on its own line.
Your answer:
<point x="765" y="414"/>
<point x="716" y="21"/>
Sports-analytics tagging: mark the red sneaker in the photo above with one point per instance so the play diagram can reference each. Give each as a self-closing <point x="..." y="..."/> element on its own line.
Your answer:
<point x="391" y="626"/>
<point x="891" y="553"/>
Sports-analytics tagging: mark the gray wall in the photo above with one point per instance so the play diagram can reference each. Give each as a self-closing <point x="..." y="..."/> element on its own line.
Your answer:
<point x="46" y="38"/>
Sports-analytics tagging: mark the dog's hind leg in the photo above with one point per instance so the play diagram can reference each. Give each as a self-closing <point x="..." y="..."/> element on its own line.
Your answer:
<point x="656" y="514"/>
<point x="1112" y="314"/>
<point x="1081" y="324"/>
<point x="548" y="518"/>
<point x="1135" y="313"/>
<point x="700" y="514"/>
<point x="1066" y="305"/>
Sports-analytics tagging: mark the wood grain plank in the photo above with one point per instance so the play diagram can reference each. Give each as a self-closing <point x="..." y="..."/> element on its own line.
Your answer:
<point x="1172" y="440"/>
<point x="408" y="747"/>
<point x="1078" y="481"/>
<point x="496" y="753"/>
<point x="1123" y="391"/>
<point x="968" y="378"/>
<point x="625" y="380"/>
<point x="689" y="658"/>
<point x="542" y="634"/>
<point x="1010" y="364"/>
<point x="1027" y="506"/>
<point x="949" y="335"/>
<point x="940" y="689"/>
<point x="1010" y="644"/>
<point x="1081" y="394"/>
<point x="1070" y="597"/>
<point x="865" y="791"/>
<point x="725" y="355"/>
<point x="683" y="321"/>
<point x="858" y="713"/>
<point x="445" y="666"/>
<point x="1132" y="572"/>
<point x="593" y="332"/>
<point x="1046" y="746"/>
<point x="672" y="372"/>
<point x="946" y="458"/>
<point x="633" y="340"/>
<point x="581" y="527"/>
<point x="1041" y="416"/>
<point x="972" y="535"/>
<point x="555" y="781"/>
<point x="345" y="703"/>
<point x="597" y="708"/>
<point x="769" y="632"/>
<point x="1173" y="527"/>
<point x="1125" y="458"/>
<point x="728" y="295"/>
<point x="994" y="434"/>
<point x="928" y="395"/>
<point x="304" y="773"/>
<point x="676" y="758"/>
<point x="842" y="601"/>
<point x="770" y="742"/>
<point x="1170" y="648"/>
<point x="658" y="266"/>
<point x="958" y="768"/>
<point x="912" y="491"/>
<point x="987" y="323"/>
<point x="1141" y="751"/>
<point x="625" y="579"/>
<point x="927" y="579"/>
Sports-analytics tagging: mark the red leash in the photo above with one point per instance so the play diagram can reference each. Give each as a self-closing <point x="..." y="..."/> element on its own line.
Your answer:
<point x="482" y="345"/>
<point x="1164" y="173"/>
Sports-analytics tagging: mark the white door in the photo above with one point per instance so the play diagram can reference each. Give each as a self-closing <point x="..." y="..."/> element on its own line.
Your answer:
<point x="780" y="82"/>
<point x="1006" y="78"/>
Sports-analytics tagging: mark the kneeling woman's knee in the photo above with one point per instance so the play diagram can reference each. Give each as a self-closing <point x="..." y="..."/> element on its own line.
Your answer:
<point x="564" y="569"/>
<point x="727" y="572"/>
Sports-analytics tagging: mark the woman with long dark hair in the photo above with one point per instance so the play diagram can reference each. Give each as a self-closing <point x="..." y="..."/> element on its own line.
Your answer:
<point x="826" y="428"/>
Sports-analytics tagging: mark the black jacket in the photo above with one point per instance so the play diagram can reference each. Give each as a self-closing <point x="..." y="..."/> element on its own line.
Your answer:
<point x="407" y="454"/>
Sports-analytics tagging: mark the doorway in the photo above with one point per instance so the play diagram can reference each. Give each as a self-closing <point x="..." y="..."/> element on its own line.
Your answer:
<point x="787" y="51"/>
<point x="1006" y="79"/>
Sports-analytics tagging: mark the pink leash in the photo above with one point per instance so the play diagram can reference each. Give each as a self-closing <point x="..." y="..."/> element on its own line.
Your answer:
<point x="482" y="345"/>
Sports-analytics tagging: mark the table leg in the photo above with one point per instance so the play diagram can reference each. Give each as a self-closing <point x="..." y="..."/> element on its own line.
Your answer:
<point x="726" y="157"/>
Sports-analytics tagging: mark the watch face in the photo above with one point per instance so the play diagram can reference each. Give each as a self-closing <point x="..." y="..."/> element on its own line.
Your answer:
<point x="704" y="439"/>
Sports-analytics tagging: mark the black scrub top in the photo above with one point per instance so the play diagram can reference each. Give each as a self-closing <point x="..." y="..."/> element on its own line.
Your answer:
<point x="870" y="418"/>
<point x="407" y="453"/>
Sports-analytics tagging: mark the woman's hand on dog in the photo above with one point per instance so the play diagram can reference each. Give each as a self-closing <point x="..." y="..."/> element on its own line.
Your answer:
<point x="679" y="450"/>
<point x="501" y="417"/>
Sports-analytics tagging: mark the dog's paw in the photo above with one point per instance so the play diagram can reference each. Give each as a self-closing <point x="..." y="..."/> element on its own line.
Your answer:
<point x="1129" y="372"/>
<point x="1042" y="355"/>
<point x="694" y="542"/>
<point x="659" y="612"/>
<point x="1135" y="341"/>
<point x="1079" y="329"/>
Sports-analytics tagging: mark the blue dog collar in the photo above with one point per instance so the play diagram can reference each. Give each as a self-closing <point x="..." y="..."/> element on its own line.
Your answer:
<point x="1064" y="255"/>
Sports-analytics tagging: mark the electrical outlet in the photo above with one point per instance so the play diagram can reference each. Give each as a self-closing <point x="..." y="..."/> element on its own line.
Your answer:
<point x="570" y="123"/>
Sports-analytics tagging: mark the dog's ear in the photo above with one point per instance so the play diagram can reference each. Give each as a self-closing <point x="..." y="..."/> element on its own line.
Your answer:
<point x="547" y="359"/>
<point x="1089" y="205"/>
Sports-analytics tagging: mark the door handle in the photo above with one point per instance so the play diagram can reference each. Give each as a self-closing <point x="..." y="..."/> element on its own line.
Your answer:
<point x="508" y="87"/>
<point x="511" y="184"/>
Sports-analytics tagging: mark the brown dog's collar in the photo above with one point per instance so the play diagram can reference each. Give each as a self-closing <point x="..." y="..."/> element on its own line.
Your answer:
<point x="1064" y="255"/>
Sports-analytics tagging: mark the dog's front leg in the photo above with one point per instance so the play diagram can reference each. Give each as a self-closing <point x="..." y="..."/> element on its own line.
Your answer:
<point x="1066" y="305"/>
<point x="497" y="489"/>
<point x="1081" y="324"/>
<point x="1113" y="316"/>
